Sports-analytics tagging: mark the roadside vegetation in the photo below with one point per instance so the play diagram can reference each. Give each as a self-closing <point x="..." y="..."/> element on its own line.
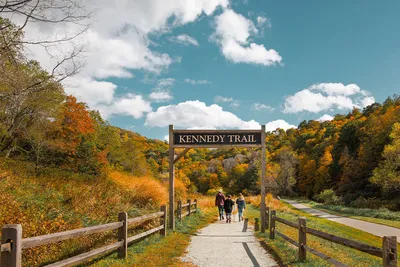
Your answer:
<point x="157" y="251"/>
<point x="59" y="200"/>
<point x="286" y="253"/>
<point x="379" y="216"/>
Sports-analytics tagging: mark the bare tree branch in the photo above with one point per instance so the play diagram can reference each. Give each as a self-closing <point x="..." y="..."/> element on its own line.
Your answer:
<point x="66" y="13"/>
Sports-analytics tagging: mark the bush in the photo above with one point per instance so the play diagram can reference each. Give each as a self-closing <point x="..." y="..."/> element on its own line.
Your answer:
<point x="328" y="197"/>
<point x="361" y="202"/>
<point x="212" y="192"/>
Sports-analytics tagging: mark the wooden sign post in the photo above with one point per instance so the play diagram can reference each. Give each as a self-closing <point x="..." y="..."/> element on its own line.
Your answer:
<point x="214" y="139"/>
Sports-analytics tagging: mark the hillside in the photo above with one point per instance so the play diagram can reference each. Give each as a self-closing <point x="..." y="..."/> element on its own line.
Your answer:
<point x="59" y="200"/>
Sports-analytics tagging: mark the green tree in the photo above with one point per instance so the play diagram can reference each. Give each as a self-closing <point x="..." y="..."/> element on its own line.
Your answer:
<point x="387" y="175"/>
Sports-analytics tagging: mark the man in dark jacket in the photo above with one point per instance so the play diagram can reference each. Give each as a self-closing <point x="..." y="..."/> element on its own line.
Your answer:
<point x="219" y="202"/>
<point x="228" y="205"/>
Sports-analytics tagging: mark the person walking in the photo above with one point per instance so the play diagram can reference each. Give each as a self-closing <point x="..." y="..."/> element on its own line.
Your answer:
<point x="228" y="206"/>
<point x="219" y="202"/>
<point x="241" y="206"/>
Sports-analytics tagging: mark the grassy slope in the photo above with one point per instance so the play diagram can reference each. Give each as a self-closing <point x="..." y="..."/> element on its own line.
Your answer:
<point x="287" y="254"/>
<point x="157" y="251"/>
<point x="384" y="217"/>
<point x="57" y="201"/>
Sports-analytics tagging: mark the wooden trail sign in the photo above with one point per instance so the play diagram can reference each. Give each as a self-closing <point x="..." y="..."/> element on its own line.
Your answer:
<point x="217" y="138"/>
<point x="213" y="139"/>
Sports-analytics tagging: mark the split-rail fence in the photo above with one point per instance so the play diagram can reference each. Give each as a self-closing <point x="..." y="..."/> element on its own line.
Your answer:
<point x="12" y="243"/>
<point x="388" y="252"/>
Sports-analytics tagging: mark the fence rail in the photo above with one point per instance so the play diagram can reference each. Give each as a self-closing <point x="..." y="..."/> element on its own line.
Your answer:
<point x="12" y="243"/>
<point x="184" y="210"/>
<point x="388" y="252"/>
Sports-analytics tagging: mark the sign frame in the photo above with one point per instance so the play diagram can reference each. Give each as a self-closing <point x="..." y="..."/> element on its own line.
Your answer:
<point x="174" y="158"/>
<point x="217" y="132"/>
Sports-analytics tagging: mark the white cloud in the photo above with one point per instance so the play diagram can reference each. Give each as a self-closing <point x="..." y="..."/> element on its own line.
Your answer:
<point x="166" y="82"/>
<point x="221" y="99"/>
<point x="326" y="96"/>
<point x="197" y="114"/>
<point x="259" y="106"/>
<point x="336" y="88"/>
<point x="161" y="93"/>
<point x="197" y="82"/>
<point x="367" y="101"/>
<point x="117" y="44"/>
<point x="263" y="22"/>
<point x="129" y="105"/>
<point x="232" y="33"/>
<point x="325" y="117"/>
<point x="185" y="40"/>
<point x="281" y="124"/>
<point x="160" y="96"/>
<point x="92" y="91"/>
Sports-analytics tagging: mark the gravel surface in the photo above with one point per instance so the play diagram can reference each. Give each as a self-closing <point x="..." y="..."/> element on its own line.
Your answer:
<point x="372" y="228"/>
<point x="227" y="244"/>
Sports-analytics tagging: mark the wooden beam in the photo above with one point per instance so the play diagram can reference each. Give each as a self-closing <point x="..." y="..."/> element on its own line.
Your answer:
<point x="56" y="237"/>
<point x="13" y="233"/>
<point x="144" y="234"/>
<point x="217" y="131"/>
<point x="181" y="155"/>
<point x="347" y="242"/>
<point x="171" y="217"/>
<point x="214" y="145"/>
<point x="146" y="217"/>
<point x="87" y="256"/>
<point x="123" y="235"/>
<point x="325" y="257"/>
<point x="263" y="176"/>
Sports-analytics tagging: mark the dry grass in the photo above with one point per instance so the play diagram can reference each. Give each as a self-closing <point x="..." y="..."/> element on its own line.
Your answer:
<point x="270" y="201"/>
<point x="58" y="200"/>
<point x="206" y="202"/>
<point x="146" y="190"/>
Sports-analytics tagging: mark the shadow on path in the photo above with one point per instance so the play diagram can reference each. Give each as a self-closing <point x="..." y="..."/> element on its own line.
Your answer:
<point x="251" y="256"/>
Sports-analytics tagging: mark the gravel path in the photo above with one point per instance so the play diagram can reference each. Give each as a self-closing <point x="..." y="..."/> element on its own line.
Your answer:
<point x="222" y="244"/>
<point x="372" y="228"/>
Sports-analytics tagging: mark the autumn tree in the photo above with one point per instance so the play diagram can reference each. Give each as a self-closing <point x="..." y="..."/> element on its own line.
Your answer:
<point x="286" y="178"/>
<point x="25" y="101"/>
<point x="387" y="175"/>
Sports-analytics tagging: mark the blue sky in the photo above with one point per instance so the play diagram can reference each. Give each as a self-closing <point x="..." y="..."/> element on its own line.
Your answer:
<point x="237" y="64"/>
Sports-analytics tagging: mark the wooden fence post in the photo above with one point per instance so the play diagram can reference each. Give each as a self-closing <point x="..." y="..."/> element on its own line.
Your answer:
<point x="180" y="210"/>
<point x="389" y="251"/>
<point x="12" y="233"/>
<point x="268" y="211"/>
<point x="256" y="225"/>
<point x="195" y="205"/>
<point x="163" y="221"/>
<point x="272" y="225"/>
<point x="302" y="239"/>
<point x="189" y="202"/>
<point x="123" y="235"/>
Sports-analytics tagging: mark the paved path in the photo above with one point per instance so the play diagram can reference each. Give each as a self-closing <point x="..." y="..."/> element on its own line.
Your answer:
<point x="222" y="244"/>
<point x="373" y="228"/>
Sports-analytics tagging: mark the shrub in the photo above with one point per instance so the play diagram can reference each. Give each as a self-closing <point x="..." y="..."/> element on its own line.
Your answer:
<point x="361" y="202"/>
<point x="212" y="192"/>
<point x="270" y="201"/>
<point x="144" y="190"/>
<point x="328" y="197"/>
